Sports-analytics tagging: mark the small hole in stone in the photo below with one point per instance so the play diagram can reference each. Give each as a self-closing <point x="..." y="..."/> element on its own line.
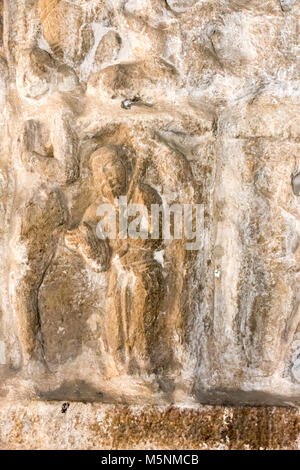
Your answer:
<point x="126" y="104"/>
<point x="65" y="407"/>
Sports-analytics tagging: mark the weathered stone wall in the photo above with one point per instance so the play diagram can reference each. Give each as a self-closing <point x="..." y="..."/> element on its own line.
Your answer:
<point x="40" y="425"/>
<point x="165" y="102"/>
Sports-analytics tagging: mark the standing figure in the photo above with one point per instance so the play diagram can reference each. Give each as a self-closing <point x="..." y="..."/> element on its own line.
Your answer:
<point x="135" y="284"/>
<point x="48" y="150"/>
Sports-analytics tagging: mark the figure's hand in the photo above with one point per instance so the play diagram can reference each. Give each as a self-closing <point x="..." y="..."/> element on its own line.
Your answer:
<point x="95" y="252"/>
<point x="72" y="239"/>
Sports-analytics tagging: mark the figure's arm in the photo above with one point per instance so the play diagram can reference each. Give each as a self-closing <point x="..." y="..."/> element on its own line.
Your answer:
<point x="174" y="170"/>
<point x="41" y="164"/>
<point x="59" y="161"/>
<point x="95" y="252"/>
<point x="65" y="148"/>
<point x="34" y="157"/>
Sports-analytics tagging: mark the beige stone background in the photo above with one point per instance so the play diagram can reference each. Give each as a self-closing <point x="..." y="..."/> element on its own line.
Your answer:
<point x="217" y="120"/>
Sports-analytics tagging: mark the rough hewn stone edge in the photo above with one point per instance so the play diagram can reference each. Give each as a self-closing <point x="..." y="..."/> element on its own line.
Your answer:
<point x="50" y="425"/>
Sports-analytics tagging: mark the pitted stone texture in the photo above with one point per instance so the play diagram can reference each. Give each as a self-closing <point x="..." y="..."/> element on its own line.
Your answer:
<point x="62" y="425"/>
<point x="180" y="102"/>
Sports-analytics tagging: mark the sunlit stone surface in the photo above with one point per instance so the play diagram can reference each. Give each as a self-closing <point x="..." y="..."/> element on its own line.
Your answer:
<point x="165" y="102"/>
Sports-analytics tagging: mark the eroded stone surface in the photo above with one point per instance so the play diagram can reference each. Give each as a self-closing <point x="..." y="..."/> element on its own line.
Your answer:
<point x="180" y="102"/>
<point x="64" y="425"/>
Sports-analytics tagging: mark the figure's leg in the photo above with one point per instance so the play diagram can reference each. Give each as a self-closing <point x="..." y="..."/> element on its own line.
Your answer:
<point x="38" y="226"/>
<point x="134" y="299"/>
<point x="136" y="337"/>
<point x="143" y="308"/>
<point x="25" y="303"/>
<point x="115" y="328"/>
<point x="65" y="149"/>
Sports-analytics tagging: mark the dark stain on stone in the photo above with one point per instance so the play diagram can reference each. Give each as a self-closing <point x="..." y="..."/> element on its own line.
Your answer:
<point x="75" y="391"/>
<point x="65" y="407"/>
<point x="232" y="397"/>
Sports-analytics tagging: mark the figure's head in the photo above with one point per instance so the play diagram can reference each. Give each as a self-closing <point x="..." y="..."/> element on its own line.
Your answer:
<point x="109" y="172"/>
<point x="34" y="73"/>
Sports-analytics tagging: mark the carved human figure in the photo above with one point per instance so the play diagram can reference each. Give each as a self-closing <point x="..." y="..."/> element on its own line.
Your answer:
<point x="48" y="150"/>
<point x="134" y="277"/>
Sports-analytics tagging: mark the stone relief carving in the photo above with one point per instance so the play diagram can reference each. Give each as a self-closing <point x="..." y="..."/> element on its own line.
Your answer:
<point x="155" y="102"/>
<point x="135" y="283"/>
<point x="49" y="151"/>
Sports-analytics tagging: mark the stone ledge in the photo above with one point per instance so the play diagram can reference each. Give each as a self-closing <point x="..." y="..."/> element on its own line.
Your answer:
<point x="55" y="425"/>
